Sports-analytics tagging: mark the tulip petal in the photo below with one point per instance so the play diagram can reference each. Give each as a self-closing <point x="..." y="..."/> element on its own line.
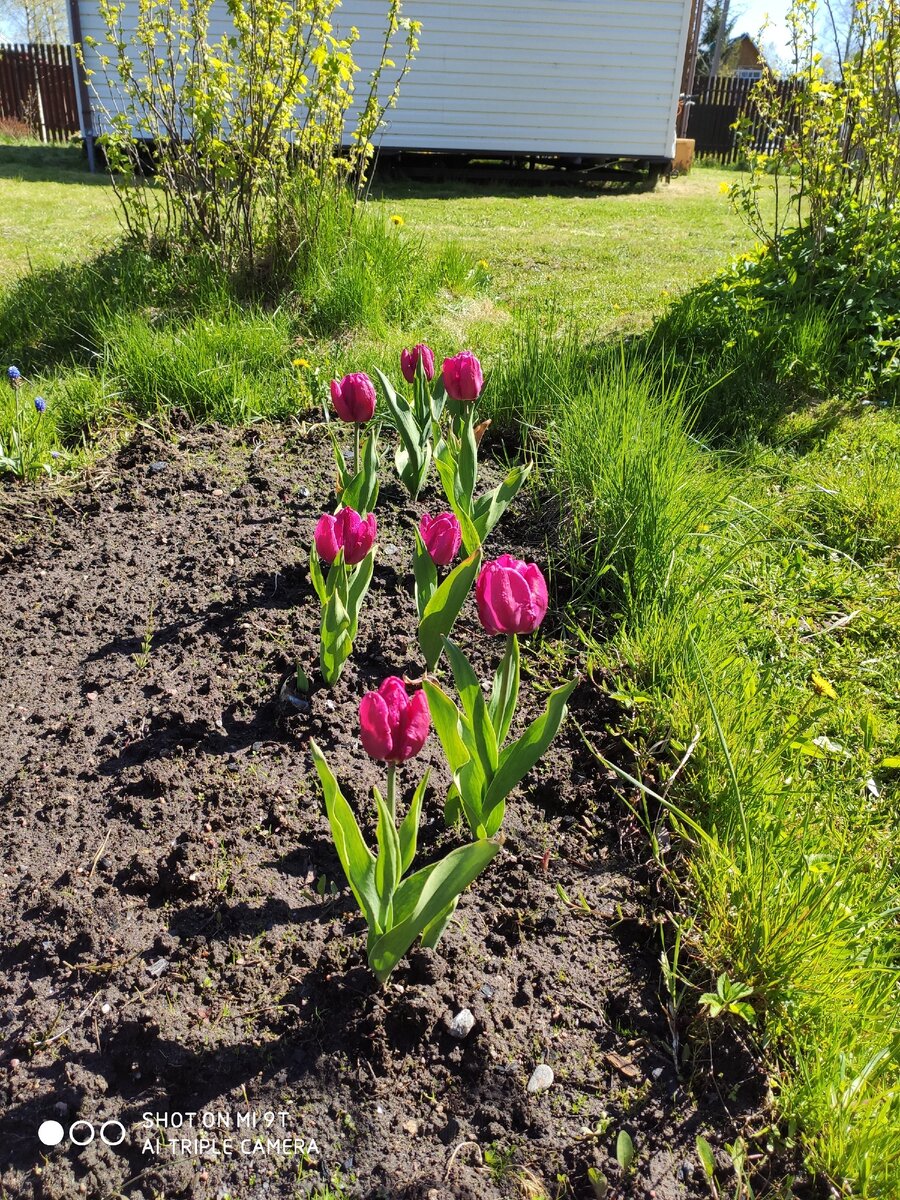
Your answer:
<point x="393" y="693"/>
<point x="415" y="725"/>
<point x="374" y="726"/>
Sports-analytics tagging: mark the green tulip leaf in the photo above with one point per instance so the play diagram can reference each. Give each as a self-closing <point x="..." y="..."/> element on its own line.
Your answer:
<point x="488" y="509"/>
<point x="387" y="866"/>
<point x="423" y="898"/>
<point x="315" y="574"/>
<point x="505" y="692"/>
<point x="355" y="856"/>
<point x="425" y="574"/>
<point x="409" y="828"/>
<point x="444" y="607"/>
<point x="517" y="759"/>
<point x="472" y="698"/>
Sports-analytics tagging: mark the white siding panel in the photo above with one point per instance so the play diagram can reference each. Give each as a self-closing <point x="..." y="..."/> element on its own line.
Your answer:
<point x="592" y="77"/>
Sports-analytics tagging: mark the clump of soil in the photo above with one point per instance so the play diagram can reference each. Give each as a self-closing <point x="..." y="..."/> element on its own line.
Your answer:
<point x="177" y="936"/>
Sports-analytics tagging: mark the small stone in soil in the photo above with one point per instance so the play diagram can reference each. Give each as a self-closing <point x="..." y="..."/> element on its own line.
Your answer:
<point x="156" y="467"/>
<point x="156" y="969"/>
<point x="462" y="1024"/>
<point x="541" y="1078"/>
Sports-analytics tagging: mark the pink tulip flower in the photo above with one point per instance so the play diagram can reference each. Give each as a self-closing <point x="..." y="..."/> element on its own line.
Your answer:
<point x="511" y="596"/>
<point x="409" y="360"/>
<point x="442" y="537"/>
<point x="393" y="725"/>
<point x="358" y="535"/>
<point x="348" y="531"/>
<point x="463" y="377"/>
<point x="354" y="398"/>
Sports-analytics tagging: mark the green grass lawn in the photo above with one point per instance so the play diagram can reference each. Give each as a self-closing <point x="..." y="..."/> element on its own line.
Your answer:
<point x="51" y="209"/>
<point x="742" y="587"/>
<point x="613" y="258"/>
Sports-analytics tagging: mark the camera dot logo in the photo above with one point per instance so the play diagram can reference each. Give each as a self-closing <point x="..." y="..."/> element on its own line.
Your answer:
<point x="51" y="1133"/>
<point x="81" y="1133"/>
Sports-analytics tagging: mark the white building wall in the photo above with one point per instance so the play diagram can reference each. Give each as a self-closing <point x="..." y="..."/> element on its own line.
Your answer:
<point x="591" y="77"/>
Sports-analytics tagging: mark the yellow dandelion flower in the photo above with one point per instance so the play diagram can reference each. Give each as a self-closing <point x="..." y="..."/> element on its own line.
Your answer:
<point x="724" y="188"/>
<point x="483" y="263"/>
<point x="822" y="686"/>
<point x="397" y="220"/>
<point x="303" y="363"/>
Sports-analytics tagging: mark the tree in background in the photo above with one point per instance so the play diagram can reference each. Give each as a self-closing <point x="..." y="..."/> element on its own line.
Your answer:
<point x="34" y="20"/>
<point x="717" y="31"/>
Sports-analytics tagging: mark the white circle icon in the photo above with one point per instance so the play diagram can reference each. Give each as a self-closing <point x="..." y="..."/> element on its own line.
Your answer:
<point x="89" y="1129"/>
<point x="112" y="1125"/>
<point x="51" y="1133"/>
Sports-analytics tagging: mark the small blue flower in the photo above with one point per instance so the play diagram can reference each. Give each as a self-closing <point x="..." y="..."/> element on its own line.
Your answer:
<point x="14" y="375"/>
<point x="40" y="404"/>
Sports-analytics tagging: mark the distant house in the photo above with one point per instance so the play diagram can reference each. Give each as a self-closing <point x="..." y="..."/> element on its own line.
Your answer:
<point x="743" y="59"/>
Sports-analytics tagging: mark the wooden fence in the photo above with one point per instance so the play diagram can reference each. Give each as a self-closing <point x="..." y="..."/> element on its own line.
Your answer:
<point x="37" y="90"/>
<point x="717" y="105"/>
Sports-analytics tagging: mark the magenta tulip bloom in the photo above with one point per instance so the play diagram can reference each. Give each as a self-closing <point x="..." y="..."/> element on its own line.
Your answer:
<point x="348" y="531"/>
<point x="511" y="596"/>
<point x="393" y="726"/>
<point x="463" y="378"/>
<point x="409" y="360"/>
<point x="358" y="534"/>
<point x="354" y="398"/>
<point x="442" y="537"/>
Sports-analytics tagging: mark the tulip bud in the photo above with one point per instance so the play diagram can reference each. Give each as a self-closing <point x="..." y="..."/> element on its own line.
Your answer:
<point x="409" y="360"/>
<point x="463" y="377"/>
<point x="442" y="537"/>
<point x="393" y="726"/>
<point x="354" y="398"/>
<point x="511" y="596"/>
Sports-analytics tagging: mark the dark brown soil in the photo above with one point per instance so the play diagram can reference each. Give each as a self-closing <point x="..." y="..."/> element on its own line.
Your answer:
<point x="177" y="936"/>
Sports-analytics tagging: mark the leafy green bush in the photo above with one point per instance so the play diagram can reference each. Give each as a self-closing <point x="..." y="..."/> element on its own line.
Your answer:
<point x="808" y="321"/>
<point x="251" y="133"/>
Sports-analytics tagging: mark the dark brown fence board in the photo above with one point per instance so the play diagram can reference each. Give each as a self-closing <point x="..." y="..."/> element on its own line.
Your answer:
<point x="717" y="105"/>
<point x="37" y="87"/>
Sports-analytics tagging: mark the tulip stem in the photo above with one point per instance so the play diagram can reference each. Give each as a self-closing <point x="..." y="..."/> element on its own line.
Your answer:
<point x="355" y="450"/>
<point x="392" y="791"/>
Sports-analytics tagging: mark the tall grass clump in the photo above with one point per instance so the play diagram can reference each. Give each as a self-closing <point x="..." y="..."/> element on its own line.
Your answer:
<point x="689" y="578"/>
<point x="164" y="331"/>
<point x="363" y="272"/>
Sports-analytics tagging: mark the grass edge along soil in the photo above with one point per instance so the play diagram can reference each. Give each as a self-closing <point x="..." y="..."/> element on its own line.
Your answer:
<point x="792" y="887"/>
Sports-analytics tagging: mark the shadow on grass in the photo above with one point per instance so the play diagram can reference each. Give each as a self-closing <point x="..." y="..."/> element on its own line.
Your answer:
<point x="56" y="315"/>
<point x="47" y="164"/>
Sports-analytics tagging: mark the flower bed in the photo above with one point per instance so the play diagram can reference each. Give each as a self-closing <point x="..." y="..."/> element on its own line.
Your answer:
<point x="178" y="933"/>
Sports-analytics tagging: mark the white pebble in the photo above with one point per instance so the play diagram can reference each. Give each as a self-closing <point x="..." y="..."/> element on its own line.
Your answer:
<point x="541" y="1078"/>
<point x="462" y="1024"/>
